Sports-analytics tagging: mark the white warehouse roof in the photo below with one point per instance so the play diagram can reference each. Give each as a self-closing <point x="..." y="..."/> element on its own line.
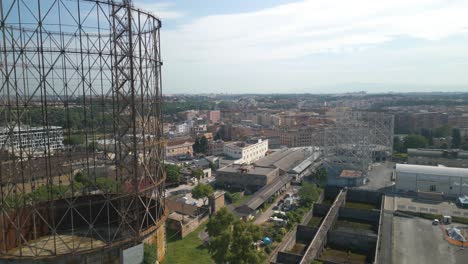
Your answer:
<point x="432" y="170"/>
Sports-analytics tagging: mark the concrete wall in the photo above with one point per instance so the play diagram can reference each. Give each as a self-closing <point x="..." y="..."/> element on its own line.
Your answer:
<point x="182" y="208"/>
<point x="321" y="209"/>
<point x="288" y="258"/>
<point x="320" y="239"/>
<point x="360" y="214"/>
<point x="290" y="238"/>
<point x="305" y="234"/>
<point x="331" y="192"/>
<point x="364" y="196"/>
<point x="356" y="242"/>
<point x="192" y="225"/>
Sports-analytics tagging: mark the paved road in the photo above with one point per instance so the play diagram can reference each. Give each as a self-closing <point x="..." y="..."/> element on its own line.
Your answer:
<point x="416" y="240"/>
<point x="263" y="217"/>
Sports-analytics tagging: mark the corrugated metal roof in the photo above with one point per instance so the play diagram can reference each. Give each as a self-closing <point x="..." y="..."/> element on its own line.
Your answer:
<point x="439" y="153"/>
<point x="432" y="170"/>
<point x="266" y="192"/>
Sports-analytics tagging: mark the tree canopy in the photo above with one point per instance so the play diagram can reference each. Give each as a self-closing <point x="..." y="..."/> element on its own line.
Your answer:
<point x="321" y="176"/>
<point x="202" y="191"/>
<point x="232" y="239"/>
<point x="456" y="138"/>
<point x="197" y="173"/>
<point x="201" y="145"/>
<point x="414" y="141"/>
<point x="308" y="193"/>
<point x="173" y="173"/>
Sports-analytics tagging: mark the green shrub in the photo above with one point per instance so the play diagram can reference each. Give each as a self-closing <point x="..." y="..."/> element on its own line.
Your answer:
<point x="150" y="254"/>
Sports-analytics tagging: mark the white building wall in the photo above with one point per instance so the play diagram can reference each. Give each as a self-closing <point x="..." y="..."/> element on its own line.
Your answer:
<point x="248" y="154"/>
<point x="449" y="185"/>
<point x="36" y="139"/>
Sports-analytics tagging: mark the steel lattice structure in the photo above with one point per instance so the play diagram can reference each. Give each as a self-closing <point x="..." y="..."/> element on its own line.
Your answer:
<point x="355" y="140"/>
<point x="81" y="127"/>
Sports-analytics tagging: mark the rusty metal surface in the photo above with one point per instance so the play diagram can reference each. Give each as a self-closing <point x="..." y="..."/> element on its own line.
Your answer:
<point x="81" y="156"/>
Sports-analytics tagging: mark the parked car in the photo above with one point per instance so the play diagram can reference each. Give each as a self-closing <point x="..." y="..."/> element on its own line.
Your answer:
<point x="435" y="222"/>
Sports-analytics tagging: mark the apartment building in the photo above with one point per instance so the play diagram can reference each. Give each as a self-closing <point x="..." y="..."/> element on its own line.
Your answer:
<point x="32" y="139"/>
<point x="246" y="152"/>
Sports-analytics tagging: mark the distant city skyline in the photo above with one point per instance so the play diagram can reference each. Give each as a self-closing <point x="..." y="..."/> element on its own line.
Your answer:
<point x="313" y="46"/>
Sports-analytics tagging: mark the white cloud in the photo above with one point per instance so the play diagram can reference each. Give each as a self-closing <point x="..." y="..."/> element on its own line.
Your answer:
<point x="163" y="10"/>
<point x="308" y="27"/>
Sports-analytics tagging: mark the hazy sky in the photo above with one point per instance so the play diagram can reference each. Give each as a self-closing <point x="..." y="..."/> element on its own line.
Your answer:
<point x="316" y="46"/>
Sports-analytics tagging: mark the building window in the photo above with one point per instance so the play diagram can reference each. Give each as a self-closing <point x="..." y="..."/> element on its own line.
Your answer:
<point x="432" y="188"/>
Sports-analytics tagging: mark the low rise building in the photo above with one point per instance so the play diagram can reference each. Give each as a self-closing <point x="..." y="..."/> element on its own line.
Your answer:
<point x="182" y="129"/>
<point x="418" y="178"/>
<point x="31" y="139"/>
<point x="435" y="157"/>
<point x="246" y="177"/>
<point x="178" y="147"/>
<point x="216" y="147"/>
<point x="349" y="178"/>
<point x="214" y="116"/>
<point x="245" y="152"/>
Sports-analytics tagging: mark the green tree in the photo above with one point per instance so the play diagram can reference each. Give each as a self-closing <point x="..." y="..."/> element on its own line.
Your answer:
<point x="106" y="184"/>
<point x="427" y="133"/>
<point x="443" y="131"/>
<point x="232" y="240"/>
<point x="244" y="234"/>
<point x="196" y="146"/>
<point x="204" y="145"/>
<point x="82" y="178"/>
<point x="212" y="166"/>
<point x="219" y="222"/>
<point x="398" y="145"/>
<point x="309" y="193"/>
<point x="414" y="141"/>
<point x="456" y="138"/>
<point x="201" y="145"/>
<point x="197" y="173"/>
<point x="202" y="191"/>
<point x="321" y="176"/>
<point x="173" y="173"/>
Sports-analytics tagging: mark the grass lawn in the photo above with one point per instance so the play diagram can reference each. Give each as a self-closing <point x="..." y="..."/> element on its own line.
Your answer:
<point x="188" y="250"/>
<point x="365" y="206"/>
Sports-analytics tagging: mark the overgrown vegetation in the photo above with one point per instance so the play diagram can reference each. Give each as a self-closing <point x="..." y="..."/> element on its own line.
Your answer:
<point x="150" y="253"/>
<point x="320" y="176"/>
<point x="202" y="191"/>
<point x="200" y="145"/>
<point x="187" y="250"/>
<point x="231" y="240"/>
<point x="172" y="173"/>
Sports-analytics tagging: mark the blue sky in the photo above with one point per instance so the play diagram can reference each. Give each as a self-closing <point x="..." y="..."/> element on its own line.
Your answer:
<point x="313" y="46"/>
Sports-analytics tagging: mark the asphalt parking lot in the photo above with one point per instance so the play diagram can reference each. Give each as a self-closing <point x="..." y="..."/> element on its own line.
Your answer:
<point x="380" y="176"/>
<point x="416" y="240"/>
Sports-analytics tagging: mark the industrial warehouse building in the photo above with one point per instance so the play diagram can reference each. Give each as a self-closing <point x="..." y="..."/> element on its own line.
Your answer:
<point x="446" y="157"/>
<point x="418" y="178"/>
